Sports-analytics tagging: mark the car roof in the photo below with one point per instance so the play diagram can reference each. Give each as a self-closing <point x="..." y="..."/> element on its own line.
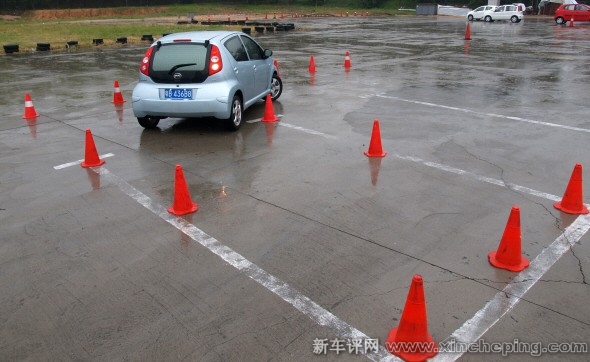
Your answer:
<point x="197" y="36"/>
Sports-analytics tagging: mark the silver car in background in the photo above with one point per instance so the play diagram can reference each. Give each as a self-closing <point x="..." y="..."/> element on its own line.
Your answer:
<point x="505" y="12"/>
<point x="203" y="74"/>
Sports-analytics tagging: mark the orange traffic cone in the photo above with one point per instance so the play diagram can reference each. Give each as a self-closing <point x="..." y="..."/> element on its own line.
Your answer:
<point x="572" y="21"/>
<point x="347" y="60"/>
<point x="269" y="112"/>
<point x="573" y="200"/>
<point x="182" y="199"/>
<point x="508" y="256"/>
<point x="468" y="32"/>
<point x="117" y="96"/>
<point x="276" y="64"/>
<point x="91" y="158"/>
<point x="311" y="64"/>
<point x="413" y="328"/>
<point x="29" y="108"/>
<point x="375" y="148"/>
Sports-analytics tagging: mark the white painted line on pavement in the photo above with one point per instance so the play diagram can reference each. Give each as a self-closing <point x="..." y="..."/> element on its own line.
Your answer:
<point x="290" y="295"/>
<point x="519" y="119"/>
<point x="298" y="128"/>
<point x="306" y="130"/>
<point x="489" y="180"/>
<point x="65" y="165"/>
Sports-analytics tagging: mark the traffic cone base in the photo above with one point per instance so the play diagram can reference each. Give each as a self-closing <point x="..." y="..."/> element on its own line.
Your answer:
<point x="509" y="253"/>
<point x="29" y="108"/>
<point x="375" y="148"/>
<point x="581" y="211"/>
<point x="117" y="95"/>
<point x="91" y="158"/>
<point x="573" y="198"/>
<point x="269" y="113"/>
<point x="182" y="204"/>
<point x="179" y="212"/>
<point x="408" y="355"/>
<point x="522" y="265"/>
<point x="413" y="327"/>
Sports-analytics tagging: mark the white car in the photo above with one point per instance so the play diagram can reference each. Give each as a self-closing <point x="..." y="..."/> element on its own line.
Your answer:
<point x="504" y="12"/>
<point x="478" y="13"/>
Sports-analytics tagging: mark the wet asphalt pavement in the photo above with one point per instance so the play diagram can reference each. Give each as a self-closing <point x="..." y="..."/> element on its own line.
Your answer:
<point x="299" y="236"/>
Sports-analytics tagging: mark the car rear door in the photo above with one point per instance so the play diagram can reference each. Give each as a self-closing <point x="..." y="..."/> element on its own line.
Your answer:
<point x="242" y="66"/>
<point x="568" y="12"/>
<point x="261" y="66"/>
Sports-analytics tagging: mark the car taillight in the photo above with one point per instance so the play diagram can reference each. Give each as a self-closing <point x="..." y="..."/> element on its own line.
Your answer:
<point x="145" y="62"/>
<point x="215" y="63"/>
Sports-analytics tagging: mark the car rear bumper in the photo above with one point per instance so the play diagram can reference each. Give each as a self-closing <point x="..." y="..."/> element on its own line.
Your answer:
<point x="147" y="100"/>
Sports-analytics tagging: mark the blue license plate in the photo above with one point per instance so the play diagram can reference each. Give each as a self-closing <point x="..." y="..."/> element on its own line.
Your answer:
<point x="178" y="93"/>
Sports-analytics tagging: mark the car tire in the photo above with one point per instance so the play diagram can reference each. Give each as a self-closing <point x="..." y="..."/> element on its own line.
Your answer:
<point x="514" y="19"/>
<point x="148" y="121"/>
<point x="276" y="87"/>
<point x="488" y="19"/>
<point x="470" y="18"/>
<point x="560" y="21"/>
<point x="235" y="118"/>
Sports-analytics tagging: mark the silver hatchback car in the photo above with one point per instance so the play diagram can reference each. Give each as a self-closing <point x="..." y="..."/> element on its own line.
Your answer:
<point x="203" y="74"/>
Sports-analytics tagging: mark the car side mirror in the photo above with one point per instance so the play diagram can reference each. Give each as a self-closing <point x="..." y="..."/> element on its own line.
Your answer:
<point x="267" y="53"/>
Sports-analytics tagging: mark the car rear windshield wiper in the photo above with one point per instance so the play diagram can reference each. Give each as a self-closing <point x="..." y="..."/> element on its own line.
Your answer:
<point x="180" y="66"/>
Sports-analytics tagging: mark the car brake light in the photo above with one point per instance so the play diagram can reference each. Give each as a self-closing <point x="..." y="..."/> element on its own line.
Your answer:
<point x="215" y="62"/>
<point x="181" y="41"/>
<point x="145" y="62"/>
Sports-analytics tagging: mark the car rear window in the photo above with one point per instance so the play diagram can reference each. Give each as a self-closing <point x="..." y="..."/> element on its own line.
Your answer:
<point x="187" y="59"/>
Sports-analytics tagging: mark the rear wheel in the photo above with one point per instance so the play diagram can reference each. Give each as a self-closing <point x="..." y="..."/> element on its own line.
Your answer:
<point x="235" y="118"/>
<point x="488" y="19"/>
<point x="514" y="19"/>
<point x="276" y="87"/>
<point x="148" y="121"/>
<point x="560" y="20"/>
